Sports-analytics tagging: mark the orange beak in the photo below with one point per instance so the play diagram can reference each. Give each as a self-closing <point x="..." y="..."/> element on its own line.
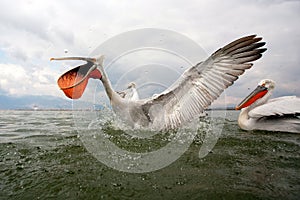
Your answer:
<point x="258" y="93"/>
<point x="74" y="82"/>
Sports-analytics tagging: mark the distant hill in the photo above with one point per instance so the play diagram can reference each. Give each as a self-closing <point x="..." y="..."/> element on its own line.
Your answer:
<point x="33" y="102"/>
<point x="45" y="102"/>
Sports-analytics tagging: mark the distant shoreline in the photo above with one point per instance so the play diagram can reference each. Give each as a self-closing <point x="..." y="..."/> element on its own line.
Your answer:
<point x="56" y="109"/>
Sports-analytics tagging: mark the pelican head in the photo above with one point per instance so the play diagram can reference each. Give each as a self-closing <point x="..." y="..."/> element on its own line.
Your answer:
<point x="131" y="85"/>
<point x="258" y="95"/>
<point x="74" y="81"/>
<point x="267" y="83"/>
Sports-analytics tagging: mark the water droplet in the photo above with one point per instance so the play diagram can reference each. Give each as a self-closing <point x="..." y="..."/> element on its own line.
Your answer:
<point x="66" y="50"/>
<point x="116" y="184"/>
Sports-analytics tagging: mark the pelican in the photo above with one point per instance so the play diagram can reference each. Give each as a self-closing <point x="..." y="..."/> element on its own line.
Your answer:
<point x="260" y="113"/>
<point x="184" y="100"/>
<point x="130" y="93"/>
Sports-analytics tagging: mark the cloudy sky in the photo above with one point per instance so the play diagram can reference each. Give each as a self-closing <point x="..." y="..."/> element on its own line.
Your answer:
<point x="33" y="31"/>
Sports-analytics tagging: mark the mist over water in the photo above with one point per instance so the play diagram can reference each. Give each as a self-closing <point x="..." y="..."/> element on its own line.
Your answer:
<point x="42" y="156"/>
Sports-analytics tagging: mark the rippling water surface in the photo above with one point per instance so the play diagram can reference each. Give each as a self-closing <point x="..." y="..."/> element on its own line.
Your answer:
<point x="41" y="157"/>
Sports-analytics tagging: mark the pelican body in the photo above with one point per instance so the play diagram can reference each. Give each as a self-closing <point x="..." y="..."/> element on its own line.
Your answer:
<point x="260" y="113"/>
<point x="184" y="100"/>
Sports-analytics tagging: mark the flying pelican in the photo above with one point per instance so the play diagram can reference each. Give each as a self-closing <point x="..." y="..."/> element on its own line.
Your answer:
<point x="184" y="100"/>
<point x="278" y="114"/>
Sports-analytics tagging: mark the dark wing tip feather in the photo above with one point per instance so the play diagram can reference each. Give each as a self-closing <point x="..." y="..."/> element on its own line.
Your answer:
<point x="228" y="49"/>
<point x="240" y="40"/>
<point x="262" y="50"/>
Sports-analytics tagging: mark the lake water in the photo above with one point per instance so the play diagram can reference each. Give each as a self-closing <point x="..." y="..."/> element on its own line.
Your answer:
<point x="42" y="157"/>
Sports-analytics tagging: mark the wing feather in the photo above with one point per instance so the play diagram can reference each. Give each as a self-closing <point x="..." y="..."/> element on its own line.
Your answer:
<point x="288" y="105"/>
<point x="201" y="84"/>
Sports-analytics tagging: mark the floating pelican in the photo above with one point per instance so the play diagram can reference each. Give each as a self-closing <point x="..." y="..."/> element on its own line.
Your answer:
<point x="185" y="100"/>
<point x="278" y="114"/>
<point x="130" y="93"/>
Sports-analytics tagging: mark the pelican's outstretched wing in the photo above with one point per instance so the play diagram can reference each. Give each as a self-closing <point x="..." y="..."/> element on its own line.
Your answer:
<point x="287" y="105"/>
<point x="200" y="85"/>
